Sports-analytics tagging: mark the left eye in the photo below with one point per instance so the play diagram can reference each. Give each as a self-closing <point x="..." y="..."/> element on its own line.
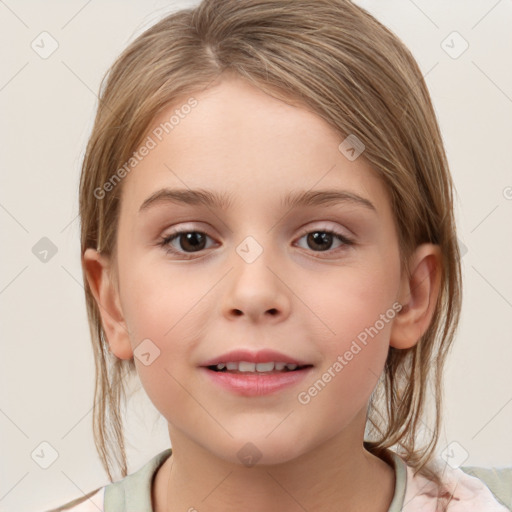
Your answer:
<point x="322" y="240"/>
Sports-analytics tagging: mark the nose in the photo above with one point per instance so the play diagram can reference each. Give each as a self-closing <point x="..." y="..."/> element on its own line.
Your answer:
<point x="256" y="290"/>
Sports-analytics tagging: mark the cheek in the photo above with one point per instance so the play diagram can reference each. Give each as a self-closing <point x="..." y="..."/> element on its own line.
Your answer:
<point x="357" y="307"/>
<point x="163" y="309"/>
<point x="354" y="297"/>
<point x="353" y="355"/>
<point x="159" y="301"/>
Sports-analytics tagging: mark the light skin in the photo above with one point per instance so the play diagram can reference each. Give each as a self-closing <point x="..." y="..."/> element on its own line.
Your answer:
<point x="295" y="298"/>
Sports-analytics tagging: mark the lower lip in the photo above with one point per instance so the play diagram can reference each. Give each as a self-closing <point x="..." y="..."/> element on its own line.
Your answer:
<point x="251" y="384"/>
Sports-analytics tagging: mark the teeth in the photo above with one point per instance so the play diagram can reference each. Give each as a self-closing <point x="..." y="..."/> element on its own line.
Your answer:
<point x="245" y="366"/>
<point x="264" y="367"/>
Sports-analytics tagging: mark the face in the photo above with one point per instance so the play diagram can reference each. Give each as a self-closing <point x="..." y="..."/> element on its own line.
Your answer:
<point x="317" y="282"/>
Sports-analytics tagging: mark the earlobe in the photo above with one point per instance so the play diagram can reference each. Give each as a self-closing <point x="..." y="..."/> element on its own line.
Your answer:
<point x="418" y="296"/>
<point x="98" y="271"/>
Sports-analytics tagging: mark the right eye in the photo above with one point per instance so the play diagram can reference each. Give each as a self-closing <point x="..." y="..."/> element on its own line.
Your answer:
<point x="188" y="241"/>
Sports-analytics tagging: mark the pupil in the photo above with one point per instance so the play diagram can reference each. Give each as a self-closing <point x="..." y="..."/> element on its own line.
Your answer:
<point x="319" y="237"/>
<point x="194" y="240"/>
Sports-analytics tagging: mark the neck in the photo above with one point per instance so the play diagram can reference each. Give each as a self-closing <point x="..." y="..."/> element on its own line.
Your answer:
<point x="339" y="474"/>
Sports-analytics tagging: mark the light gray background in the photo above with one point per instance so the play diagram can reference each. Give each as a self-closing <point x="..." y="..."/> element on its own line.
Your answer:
<point x="47" y="110"/>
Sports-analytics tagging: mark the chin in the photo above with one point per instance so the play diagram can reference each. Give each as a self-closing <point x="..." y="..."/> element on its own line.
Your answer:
<point x="260" y="451"/>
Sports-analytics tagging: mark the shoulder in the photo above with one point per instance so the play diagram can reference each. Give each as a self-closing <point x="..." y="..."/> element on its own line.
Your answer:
<point x="91" y="502"/>
<point x="466" y="489"/>
<point x="497" y="480"/>
<point x="133" y="492"/>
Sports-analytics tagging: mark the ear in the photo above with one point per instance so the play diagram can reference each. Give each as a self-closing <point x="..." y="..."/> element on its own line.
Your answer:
<point x="104" y="289"/>
<point x="418" y="296"/>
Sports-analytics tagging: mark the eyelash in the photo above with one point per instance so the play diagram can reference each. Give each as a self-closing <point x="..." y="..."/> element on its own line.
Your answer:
<point x="165" y="241"/>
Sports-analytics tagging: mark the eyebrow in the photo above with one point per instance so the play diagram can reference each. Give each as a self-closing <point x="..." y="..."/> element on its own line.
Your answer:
<point x="223" y="201"/>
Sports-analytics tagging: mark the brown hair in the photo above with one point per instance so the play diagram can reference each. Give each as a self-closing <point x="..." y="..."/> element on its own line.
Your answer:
<point x="338" y="61"/>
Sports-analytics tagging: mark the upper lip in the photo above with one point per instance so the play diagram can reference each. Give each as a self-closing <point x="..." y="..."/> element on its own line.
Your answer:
<point x="261" y="356"/>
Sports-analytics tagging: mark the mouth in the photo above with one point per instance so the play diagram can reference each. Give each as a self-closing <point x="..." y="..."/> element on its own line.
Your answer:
<point x="251" y="374"/>
<point x="251" y="379"/>
<point x="264" y="368"/>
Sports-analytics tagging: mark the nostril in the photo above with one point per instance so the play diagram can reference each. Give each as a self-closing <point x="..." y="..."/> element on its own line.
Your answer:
<point x="272" y="312"/>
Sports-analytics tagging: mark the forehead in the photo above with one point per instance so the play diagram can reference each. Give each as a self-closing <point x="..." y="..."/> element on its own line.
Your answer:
<point x="239" y="141"/>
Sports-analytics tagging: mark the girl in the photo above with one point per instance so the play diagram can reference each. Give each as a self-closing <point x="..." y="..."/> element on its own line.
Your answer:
<point x="268" y="241"/>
